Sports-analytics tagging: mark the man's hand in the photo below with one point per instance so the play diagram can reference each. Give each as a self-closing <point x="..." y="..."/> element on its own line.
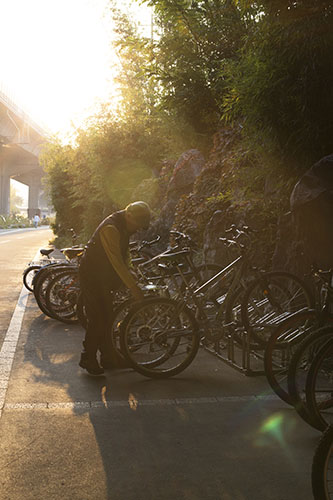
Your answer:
<point x="137" y="294"/>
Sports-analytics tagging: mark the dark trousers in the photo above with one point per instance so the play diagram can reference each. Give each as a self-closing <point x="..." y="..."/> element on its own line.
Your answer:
<point x="98" y="303"/>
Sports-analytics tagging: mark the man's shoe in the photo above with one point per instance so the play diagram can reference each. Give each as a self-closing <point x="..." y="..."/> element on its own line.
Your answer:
<point x="91" y="365"/>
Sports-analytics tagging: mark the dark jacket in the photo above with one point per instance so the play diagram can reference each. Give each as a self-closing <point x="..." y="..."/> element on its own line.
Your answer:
<point x="95" y="262"/>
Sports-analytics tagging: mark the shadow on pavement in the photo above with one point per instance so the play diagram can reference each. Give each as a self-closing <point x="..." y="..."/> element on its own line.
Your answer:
<point x="155" y="447"/>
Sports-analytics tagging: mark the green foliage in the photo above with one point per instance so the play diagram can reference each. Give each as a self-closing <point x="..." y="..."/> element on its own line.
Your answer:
<point x="194" y="40"/>
<point x="265" y="67"/>
<point x="219" y="198"/>
<point x="124" y="178"/>
<point x="16" y="201"/>
<point x="14" y="221"/>
<point x="280" y="89"/>
<point x="149" y="191"/>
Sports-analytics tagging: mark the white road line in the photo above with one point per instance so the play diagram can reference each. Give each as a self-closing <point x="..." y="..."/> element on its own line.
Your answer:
<point x="8" y="348"/>
<point x="90" y="405"/>
<point x="24" y="230"/>
<point x="7" y="354"/>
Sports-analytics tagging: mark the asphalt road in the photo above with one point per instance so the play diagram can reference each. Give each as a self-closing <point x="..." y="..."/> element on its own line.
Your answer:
<point x="209" y="434"/>
<point x="17" y="249"/>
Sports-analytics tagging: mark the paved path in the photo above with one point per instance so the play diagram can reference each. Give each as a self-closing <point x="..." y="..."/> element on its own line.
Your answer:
<point x="210" y="433"/>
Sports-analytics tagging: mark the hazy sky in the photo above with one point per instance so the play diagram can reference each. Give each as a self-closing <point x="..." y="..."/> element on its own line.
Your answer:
<point x="56" y="59"/>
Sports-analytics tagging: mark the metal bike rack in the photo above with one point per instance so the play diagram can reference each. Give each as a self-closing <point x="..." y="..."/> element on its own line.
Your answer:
<point x="247" y="358"/>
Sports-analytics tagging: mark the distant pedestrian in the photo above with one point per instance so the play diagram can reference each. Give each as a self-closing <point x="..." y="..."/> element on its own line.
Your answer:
<point x="36" y="220"/>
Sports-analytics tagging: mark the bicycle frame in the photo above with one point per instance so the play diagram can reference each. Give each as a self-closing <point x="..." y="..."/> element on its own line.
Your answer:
<point x="241" y="263"/>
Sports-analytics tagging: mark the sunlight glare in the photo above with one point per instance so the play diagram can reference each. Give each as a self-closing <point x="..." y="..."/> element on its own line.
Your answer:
<point x="56" y="57"/>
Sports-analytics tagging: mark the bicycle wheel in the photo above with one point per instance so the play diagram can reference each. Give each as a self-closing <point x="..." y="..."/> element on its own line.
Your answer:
<point x="119" y="314"/>
<point x="46" y="269"/>
<point x="322" y="468"/>
<point x="269" y="300"/>
<point x="41" y="281"/>
<point x="299" y="367"/>
<point x="159" y="337"/>
<point x="281" y="346"/>
<point x="319" y="387"/>
<point x="62" y="294"/>
<point x="28" y="276"/>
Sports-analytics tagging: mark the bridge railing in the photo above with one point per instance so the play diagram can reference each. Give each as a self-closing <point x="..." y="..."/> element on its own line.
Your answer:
<point x="8" y="99"/>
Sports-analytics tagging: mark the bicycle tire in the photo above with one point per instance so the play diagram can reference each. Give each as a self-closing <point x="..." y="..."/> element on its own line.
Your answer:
<point x="319" y="381"/>
<point x="322" y="467"/>
<point x="299" y="367"/>
<point x="61" y="298"/>
<point x="119" y="314"/>
<point x="271" y="298"/>
<point x="139" y="324"/>
<point x="46" y="269"/>
<point x="43" y="278"/>
<point x="28" y="276"/>
<point x="287" y="330"/>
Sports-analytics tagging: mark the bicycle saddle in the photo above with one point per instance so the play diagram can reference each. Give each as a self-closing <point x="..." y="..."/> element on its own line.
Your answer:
<point x="71" y="253"/>
<point x="46" y="251"/>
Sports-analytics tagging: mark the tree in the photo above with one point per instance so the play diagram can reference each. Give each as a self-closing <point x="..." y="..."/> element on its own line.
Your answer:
<point x="280" y="89"/>
<point x="16" y="201"/>
<point x="195" y="40"/>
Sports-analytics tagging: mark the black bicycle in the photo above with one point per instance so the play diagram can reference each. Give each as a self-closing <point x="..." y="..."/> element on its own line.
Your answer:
<point x="161" y="336"/>
<point x="284" y="350"/>
<point x="322" y="467"/>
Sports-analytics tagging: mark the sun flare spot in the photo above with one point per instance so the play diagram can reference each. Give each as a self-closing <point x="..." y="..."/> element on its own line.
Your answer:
<point x="103" y="396"/>
<point x="132" y="401"/>
<point x="273" y="425"/>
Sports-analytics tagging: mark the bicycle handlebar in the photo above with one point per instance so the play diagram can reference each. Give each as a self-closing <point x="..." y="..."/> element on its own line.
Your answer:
<point x="236" y="234"/>
<point x="140" y="245"/>
<point x="179" y="235"/>
<point x="181" y="238"/>
<point x="145" y="243"/>
<point x="324" y="276"/>
<point x="232" y="242"/>
<point x="238" y="231"/>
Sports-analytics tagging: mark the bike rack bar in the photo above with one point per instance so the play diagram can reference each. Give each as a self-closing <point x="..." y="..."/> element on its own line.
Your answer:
<point x="240" y="357"/>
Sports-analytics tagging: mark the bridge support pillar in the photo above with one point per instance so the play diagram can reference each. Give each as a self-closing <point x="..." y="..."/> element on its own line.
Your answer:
<point x="4" y="191"/>
<point x="33" y="202"/>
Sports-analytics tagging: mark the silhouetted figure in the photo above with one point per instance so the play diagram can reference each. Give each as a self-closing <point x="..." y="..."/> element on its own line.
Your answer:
<point x="103" y="269"/>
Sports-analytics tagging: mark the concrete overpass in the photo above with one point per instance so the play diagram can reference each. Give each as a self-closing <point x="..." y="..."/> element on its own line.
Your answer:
<point x="21" y="141"/>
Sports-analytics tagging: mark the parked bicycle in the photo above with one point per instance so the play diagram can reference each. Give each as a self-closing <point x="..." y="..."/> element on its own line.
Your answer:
<point x="161" y="336"/>
<point x="47" y="259"/>
<point x="322" y="467"/>
<point x="293" y="345"/>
